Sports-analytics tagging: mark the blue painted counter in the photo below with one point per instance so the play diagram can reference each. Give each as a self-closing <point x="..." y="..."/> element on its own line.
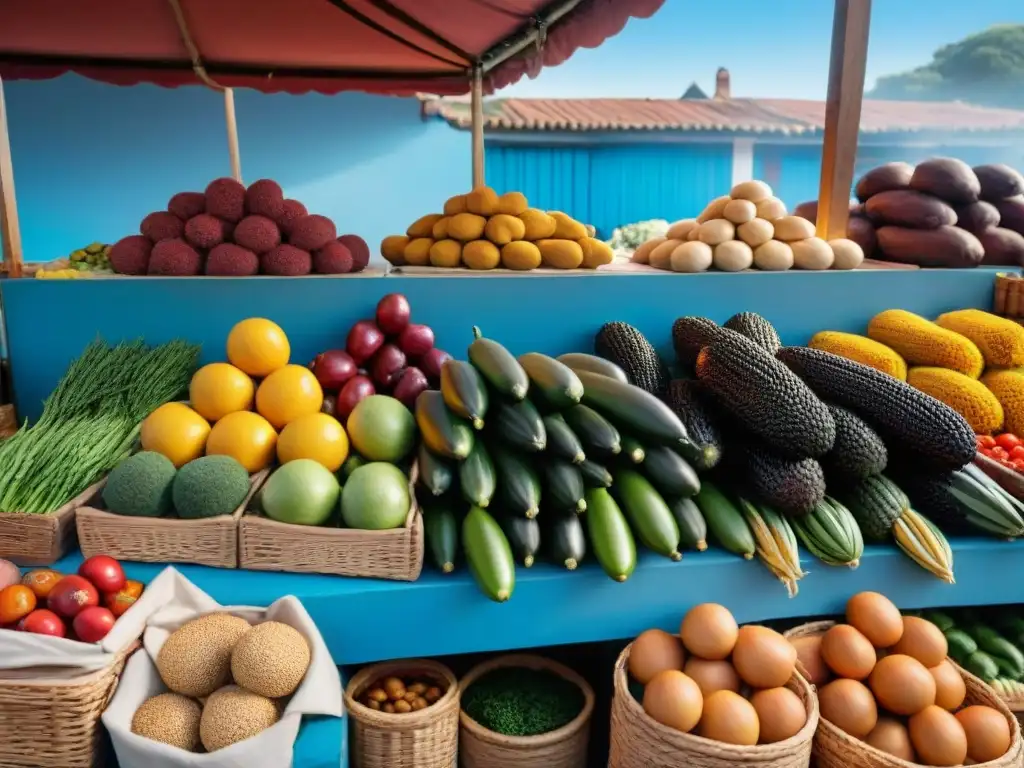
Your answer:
<point x="49" y="322"/>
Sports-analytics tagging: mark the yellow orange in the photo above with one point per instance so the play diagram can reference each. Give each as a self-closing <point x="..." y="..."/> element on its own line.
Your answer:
<point x="315" y="436"/>
<point x="287" y="394"/>
<point x="176" y="431"/>
<point x="246" y="437"/>
<point x="258" y="346"/>
<point x="218" y="389"/>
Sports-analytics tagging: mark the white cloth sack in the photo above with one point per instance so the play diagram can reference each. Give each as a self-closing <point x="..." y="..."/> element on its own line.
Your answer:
<point x="319" y="693"/>
<point x="26" y="655"/>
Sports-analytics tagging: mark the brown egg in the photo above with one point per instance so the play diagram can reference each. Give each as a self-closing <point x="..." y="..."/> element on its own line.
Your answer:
<point x="653" y="651"/>
<point x="811" y="665"/>
<point x="902" y="685"/>
<point x="674" y="700"/>
<point x="763" y="658"/>
<point x="847" y="652"/>
<point x="849" y="705"/>
<point x="891" y="736"/>
<point x="729" y="718"/>
<point x="988" y="733"/>
<point x="709" y="631"/>
<point x="950" y="689"/>
<point x="712" y="676"/>
<point x="922" y="640"/>
<point x="938" y="737"/>
<point x="780" y="712"/>
<point x="876" y="617"/>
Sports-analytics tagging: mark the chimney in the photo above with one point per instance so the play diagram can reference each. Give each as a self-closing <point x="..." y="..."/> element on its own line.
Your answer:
<point x="723" y="89"/>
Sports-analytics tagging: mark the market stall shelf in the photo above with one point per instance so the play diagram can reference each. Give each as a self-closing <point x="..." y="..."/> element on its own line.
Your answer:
<point x="41" y="539"/>
<point x="209" y="541"/>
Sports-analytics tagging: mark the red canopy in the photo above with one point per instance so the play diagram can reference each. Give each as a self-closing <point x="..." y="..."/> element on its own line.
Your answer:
<point x="380" y="46"/>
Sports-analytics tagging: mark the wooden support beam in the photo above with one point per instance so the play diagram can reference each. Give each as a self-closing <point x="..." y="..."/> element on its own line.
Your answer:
<point x="232" y="125"/>
<point x="850" y="27"/>
<point x="477" y="106"/>
<point x="9" y="230"/>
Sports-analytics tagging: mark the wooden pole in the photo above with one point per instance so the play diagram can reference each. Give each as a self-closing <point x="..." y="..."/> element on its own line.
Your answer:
<point x="850" y="27"/>
<point x="477" y="106"/>
<point x="232" y="124"/>
<point x="9" y="230"/>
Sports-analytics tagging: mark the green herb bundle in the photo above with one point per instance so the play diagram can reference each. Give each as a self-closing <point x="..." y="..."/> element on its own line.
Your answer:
<point x="516" y="701"/>
<point x="90" y="422"/>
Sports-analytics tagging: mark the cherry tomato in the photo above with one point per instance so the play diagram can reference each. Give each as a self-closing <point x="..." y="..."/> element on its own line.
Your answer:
<point x="43" y="622"/>
<point x="999" y="453"/>
<point x="104" y="572"/>
<point x="93" y="624"/>
<point x="71" y="595"/>
<point x="120" y="601"/>
<point x="16" y="602"/>
<point x="1018" y="464"/>
<point x="1017" y="453"/>
<point x="986" y="441"/>
<point x="41" y="582"/>
<point x="1008" y="440"/>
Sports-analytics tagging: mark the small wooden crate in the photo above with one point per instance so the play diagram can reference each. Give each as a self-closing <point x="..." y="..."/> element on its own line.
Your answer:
<point x="212" y="541"/>
<point x="8" y="421"/>
<point x="41" y="539"/>
<point x="1008" y="300"/>
<point x="397" y="554"/>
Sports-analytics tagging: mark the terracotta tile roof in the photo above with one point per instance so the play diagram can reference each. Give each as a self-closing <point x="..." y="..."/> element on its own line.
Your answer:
<point x="785" y="116"/>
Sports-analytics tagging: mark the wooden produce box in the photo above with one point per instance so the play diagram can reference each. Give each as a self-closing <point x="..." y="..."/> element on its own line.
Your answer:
<point x="31" y="540"/>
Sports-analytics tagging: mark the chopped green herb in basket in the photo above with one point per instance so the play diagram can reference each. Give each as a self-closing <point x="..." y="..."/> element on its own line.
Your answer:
<point x="515" y="701"/>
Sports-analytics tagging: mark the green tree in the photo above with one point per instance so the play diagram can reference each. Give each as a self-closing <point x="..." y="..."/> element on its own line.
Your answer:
<point x="986" y="68"/>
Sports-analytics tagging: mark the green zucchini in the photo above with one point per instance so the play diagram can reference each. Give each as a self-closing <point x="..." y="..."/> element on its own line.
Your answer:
<point x="518" y="485"/>
<point x="523" y="534"/>
<point x="641" y="411"/>
<point x="580" y="361"/>
<point x="595" y="475"/>
<point x="595" y="432"/>
<point x="1005" y="653"/>
<point x="980" y="664"/>
<point x="563" y="486"/>
<point x="488" y="555"/>
<point x="611" y="540"/>
<point x="444" y="433"/>
<point x="693" y="530"/>
<point x="961" y="645"/>
<point x="564" y="538"/>
<point x="477" y="477"/>
<point x="520" y="426"/>
<point x="464" y="391"/>
<point x="556" y="383"/>
<point x="830" y="533"/>
<point x="441" y="528"/>
<point x="562" y="441"/>
<point x="632" y="450"/>
<point x="725" y="521"/>
<point x="498" y="366"/>
<point x="669" y="472"/>
<point x="435" y="475"/>
<point x="941" y="620"/>
<point x="648" y="514"/>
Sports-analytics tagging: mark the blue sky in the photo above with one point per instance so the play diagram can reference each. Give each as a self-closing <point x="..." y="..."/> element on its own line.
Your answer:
<point x="773" y="48"/>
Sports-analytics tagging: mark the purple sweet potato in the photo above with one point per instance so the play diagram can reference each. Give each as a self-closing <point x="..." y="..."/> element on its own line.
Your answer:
<point x="977" y="217"/>
<point x="947" y="178"/>
<point x="1003" y="247"/>
<point x="999" y="181"/>
<point x="1011" y="213"/>
<point x="942" y="247"/>
<point x="884" y="178"/>
<point x="907" y="208"/>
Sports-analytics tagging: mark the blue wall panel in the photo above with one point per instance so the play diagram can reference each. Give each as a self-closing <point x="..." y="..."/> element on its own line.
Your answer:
<point x="612" y="185"/>
<point x="91" y="160"/>
<point x="794" y="171"/>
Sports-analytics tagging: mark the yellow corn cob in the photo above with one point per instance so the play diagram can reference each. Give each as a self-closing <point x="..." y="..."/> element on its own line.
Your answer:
<point x="1008" y="387"/>
<point x="968" y="397"/>
<point x="1001" y="341"/>
<point x="861" y="350"/>
<point x="922" y="342"/>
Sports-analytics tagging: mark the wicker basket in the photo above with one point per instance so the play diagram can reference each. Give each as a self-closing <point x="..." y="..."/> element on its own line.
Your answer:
<point x="41" y="539"/>
<point x="8" y="421"/>
<point x="397" y="554"/>
<point x="425" y="739"/>
<point x="637" y="741"/>
<point x="1009" y="296"/>
<point x="833" y="748"/>
<point x="211" y="541"/>
<point x="55" y="721"/>
<point x="1015" y="704"/>
<point x="562" y="748"/>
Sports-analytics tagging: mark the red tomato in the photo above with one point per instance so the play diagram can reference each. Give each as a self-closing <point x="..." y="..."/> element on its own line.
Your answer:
<point x="104" y="572"/>
<point x="999" y="453"/>
<point x="43" y="622"/>
<point x="1008" y="440"/>
<point x="986" y="441"/>
<point x="16" y="602"/>
<point x="93" y="624"/>
<point x="71" y="595"/>
<point x="120" y="601"/>
<point x="1017" y="453"/>
<point x="41" y="581"/>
